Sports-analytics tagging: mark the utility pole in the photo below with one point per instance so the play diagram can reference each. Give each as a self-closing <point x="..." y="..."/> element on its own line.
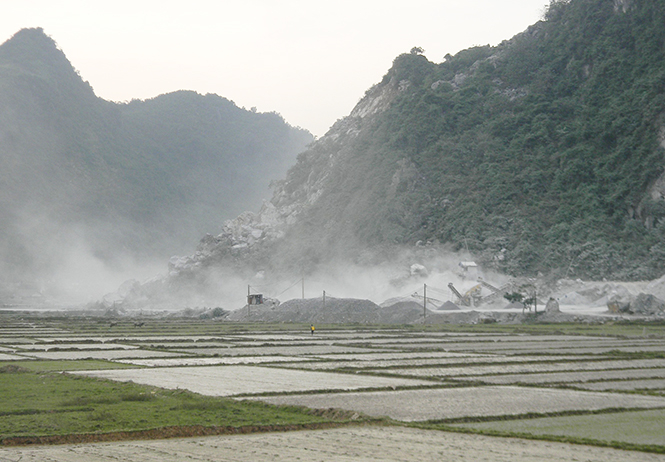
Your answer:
<point x="424" y="302"/>
<point x="303" y="288"/>
<point x="248" y="300"/>
<point x="324" y="300"/>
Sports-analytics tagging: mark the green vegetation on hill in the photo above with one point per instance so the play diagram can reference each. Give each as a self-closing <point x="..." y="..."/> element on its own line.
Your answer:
<point x="537" y="155"/>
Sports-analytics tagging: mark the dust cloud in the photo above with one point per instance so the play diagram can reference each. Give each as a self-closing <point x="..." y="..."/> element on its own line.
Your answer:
<point x="403" y="277"/>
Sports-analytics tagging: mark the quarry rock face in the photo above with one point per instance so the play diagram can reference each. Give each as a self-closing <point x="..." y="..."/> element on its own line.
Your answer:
<point x="253" y="232"/>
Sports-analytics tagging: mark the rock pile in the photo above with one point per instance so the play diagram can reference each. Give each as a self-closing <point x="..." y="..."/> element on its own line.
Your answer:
<point x="335" y="311"/>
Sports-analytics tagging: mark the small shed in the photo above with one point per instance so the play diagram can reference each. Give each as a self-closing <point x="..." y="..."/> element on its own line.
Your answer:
<point x="468" y="270"/>
<point x="255" y="299"/>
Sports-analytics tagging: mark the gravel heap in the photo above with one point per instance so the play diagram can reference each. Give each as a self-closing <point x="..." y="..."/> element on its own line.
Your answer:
<point x="336" y="311"/>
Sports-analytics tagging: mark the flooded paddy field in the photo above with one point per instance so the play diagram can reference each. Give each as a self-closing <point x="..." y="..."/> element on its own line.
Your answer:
<point x="405" y="365"/>
<point x="632" y="385"/>
<point x="210" y="361"/>
<point x="579" y="365"/>
<point x="448" y="403"/>
<point x="50" y="346"/>
<point x="100" y="354"/>
<point x="237" y="380"/>
<point x="565" y="378"/>
<point x="381" y="444"/>
<point x="409" y="375"/>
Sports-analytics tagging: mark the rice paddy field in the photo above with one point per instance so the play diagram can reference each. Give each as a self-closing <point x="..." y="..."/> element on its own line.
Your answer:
<point x="523" y="392"/>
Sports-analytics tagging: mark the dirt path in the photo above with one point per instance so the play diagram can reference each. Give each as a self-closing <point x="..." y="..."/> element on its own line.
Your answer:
<point x="344" y="444"/>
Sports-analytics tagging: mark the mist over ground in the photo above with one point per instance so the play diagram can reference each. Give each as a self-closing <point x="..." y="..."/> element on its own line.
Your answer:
<point x="227" y="287"/>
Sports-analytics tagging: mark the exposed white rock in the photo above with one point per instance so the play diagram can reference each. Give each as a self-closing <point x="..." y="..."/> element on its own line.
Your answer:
<point x="622" y="5"/>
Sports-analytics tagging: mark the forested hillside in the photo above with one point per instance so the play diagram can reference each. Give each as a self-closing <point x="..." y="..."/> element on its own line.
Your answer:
<point x="542" y="154"/>
<point x="139" y="180"/>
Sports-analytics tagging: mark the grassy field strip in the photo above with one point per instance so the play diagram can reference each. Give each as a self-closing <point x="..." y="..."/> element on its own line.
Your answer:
<point x="101" y="354"/>
<point x="490" y="339"/>
<point x="235" y="380"/>
<point x="529" y="368"/>
<point x="73" y="346"/>
<point x="589" y="350"/>
<point x="647" y="384"/>
<point x="536" y="346"/>
<point x="566" y="377"/>
<point x="392" y="363"/>
<point x="369" y="356"/>
<point x="13" y="340"/>
<point x="129" y="339"/>
<point x="171" y="362"/>
<point x="416" y="340"/>
<point x="281" y="338"/>
<point x="303" y="342"/>
<point x="29" y="331"/>
<point x="51" y="405"/>
<point x="360" y="335"/>
<point x="36" y="365"/>
<point x="446" y="403"/>
<point x="635" y="427"/>
<point x="185" y="345"/>
<point x="400" y="333"/>
<point x="272" y="351"/>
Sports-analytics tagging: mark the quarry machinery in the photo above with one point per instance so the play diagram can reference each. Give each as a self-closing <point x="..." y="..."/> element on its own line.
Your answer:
<point x="497" y="292"/>
<point x="473" y="296"/>
<point x="430" y="300"/>
<point x="470" y="298"/>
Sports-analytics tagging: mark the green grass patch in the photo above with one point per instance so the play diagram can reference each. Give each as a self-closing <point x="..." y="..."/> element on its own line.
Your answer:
<point x="632" y="427"/>
<point x="66" y="365"/>
<point x="628" y="329"/>
<point x="40" y="404"/>
<point x="86" y="325"/>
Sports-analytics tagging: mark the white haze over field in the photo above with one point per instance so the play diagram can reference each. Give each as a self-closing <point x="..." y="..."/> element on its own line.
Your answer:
<point x="70" y="271"/>
<point x="311" y="61"/>
<point x="82" y="276"/>
<point x="401" y="277"/>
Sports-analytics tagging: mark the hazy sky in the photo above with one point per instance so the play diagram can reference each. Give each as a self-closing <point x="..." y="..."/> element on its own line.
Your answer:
<point x="309" y="60"/>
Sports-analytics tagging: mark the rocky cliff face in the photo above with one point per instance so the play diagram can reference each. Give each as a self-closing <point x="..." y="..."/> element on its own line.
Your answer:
<point x="260" y="233"/>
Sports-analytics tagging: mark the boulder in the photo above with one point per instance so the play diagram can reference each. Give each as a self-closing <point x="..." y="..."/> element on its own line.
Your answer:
<point x="552" y="306"/>
<point x="647" y="304"/>
<point x="619" y="300"/>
